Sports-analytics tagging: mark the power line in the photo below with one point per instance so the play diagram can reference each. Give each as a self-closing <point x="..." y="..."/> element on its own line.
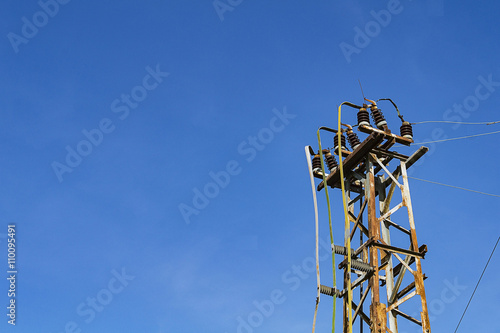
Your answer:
<point x="455" y="122"/>
<point x="461" y="188"/>
<point x="462" y="137"/>
<point x="477" y="285"/>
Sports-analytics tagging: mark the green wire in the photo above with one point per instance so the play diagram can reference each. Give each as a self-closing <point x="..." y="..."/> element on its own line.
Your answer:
<point x="331" y="232"/>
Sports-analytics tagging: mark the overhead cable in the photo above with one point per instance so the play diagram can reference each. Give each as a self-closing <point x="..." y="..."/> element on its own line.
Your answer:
<point x="477" y="285"/>
<point x="460" y="188"/>
<point x="451" y="139"/>
<point x="455" y="122"/>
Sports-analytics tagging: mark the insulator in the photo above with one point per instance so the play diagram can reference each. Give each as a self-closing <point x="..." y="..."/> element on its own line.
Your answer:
<point x="328" y="291"/>
<point x="316" y="163"/>
<point x="361" y="266"/>
<point x="336" y="140"/>
<point x="342" y="250"/>
<point x="406" y="130"/>
<point x="378" y="117"/>
<point x="330" y="161"/>
<point x="353" y="139"/>
<point x="363" y="117"/>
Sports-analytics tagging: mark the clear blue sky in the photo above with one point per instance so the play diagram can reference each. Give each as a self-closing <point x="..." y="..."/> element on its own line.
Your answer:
<point x="115" y="114"/>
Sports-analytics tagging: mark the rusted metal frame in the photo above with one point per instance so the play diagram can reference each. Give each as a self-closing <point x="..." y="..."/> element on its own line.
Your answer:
<point x="393" y="249"/>
<point x="363" y="229"/>
<point x="358" y="219"/>
<point x="355" y="174"/>
<point x="404" y="315"/>
<point x="362" y="315"/>
<point x="351" y="161"/>
<point x="352" y="217"/>
<point x="386" y="171"/>
<point x="392" y="211"/>
<point x="386" y="145"/>
<point x="378" y="320"/>
<point x="356" y="283"/>
<point x="347" y="269"/>
<point x="360" y="305"/>
<point x="362" y="247"/>
<point x="345" y="153"/>
<point x="408" y="288"/>
<point x="392" y="154"/>
<point x="353" y="201"/>
<point x="383" y="264"/>
<point x="345" y="300"/>
<point x="399" y="139"/>
<point x="401" y="301"/>
<point x="411" y="160"/>
<point x="390" y="193"/>
<point x="397" y="226"/>
<point x="394" y="294"/>
<point x="364" y="257"/>
<point x="419" y="281"/>
<point x="422" y="249"/>
<point x="384" y="202"/>
<point x="386" y="161"/>
<point x="403" y="262"/>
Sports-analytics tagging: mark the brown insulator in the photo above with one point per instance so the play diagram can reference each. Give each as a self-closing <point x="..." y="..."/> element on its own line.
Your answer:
<point x="353" y="139"/>
<point x="336" y="140"/>
<point x="363" y="117"/>
<point x="378" y="117"/>
<point x="406" y="130"/>
<point x="316" y="162"/>
<point x="330" y="161"/>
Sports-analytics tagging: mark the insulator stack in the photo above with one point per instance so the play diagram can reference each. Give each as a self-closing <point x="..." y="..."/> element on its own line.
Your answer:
<point x="363" y="117"/>
<point x="330" y="161"/>
<point x="336" y="142"/>
<point x="361" y="266"/>
<point x="316" y="163"/>
<point x="378" y="117"/>
<point x="328" y="290"/>
<point x="353" y="139"/>
<point x="406" y="130"/>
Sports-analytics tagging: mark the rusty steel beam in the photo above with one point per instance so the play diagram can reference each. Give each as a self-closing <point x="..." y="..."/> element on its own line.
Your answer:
<point x="397" y="138"/>
<point x="351" y="161"/>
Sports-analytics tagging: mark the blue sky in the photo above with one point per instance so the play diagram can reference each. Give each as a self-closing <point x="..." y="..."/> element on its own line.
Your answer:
<point x="172" y="94"/>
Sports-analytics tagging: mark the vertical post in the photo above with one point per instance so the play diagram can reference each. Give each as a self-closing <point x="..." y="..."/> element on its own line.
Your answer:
<point x="347" y="272"/>
<point x="363" y="257"/>
<point x="384" y="201"/>
<point x="419" y="280"/>
<point x="377" y="310"/>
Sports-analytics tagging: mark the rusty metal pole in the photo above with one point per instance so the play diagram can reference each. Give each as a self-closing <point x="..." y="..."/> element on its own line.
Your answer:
<point x="384" y="201"/>
<point x="377" y="309"/>
<point x="363" y="258"/>
<point x="376" y="263"/>
<point x="419" y="280"/>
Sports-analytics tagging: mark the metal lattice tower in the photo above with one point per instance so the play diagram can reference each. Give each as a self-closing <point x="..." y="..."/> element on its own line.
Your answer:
<point x="386" y="274"/>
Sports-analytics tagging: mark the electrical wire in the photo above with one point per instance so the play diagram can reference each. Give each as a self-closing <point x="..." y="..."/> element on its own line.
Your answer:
<point x="395" y="106"/>
<point x="451" y="139"/>
<point x="460" y="188"/>
<point x="331" y="230"/>
<point x="455" y="122"/>
<point x="315" y="200"/>
<point x="347" y="222"/>
<point x="487" y="263"/>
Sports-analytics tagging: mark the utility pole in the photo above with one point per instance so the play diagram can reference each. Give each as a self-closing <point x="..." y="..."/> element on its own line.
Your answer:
<point x="385" y="268"/>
